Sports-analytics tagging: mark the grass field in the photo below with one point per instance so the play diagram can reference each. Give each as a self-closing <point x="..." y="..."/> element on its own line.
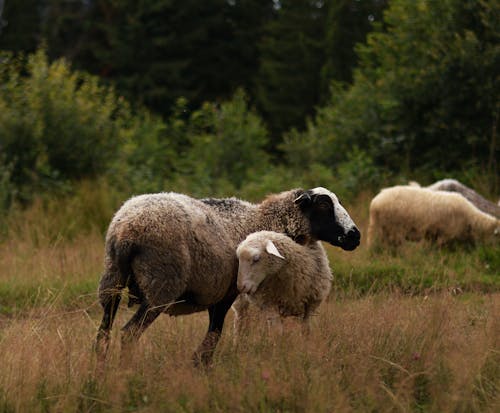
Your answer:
<point x="414" y="330"/>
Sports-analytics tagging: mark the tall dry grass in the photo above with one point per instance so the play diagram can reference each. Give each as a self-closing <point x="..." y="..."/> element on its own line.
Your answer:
<point x="52" y="251"/>
<point x="372" y="348"/>
<point x="383" y="353"/>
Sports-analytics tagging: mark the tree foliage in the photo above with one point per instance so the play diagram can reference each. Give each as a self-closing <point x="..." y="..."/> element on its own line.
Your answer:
<point x="160" y="50"/>
<point x="425" y="97"/>
<point x="57" y="124"/>
<point x="422" y="100"/>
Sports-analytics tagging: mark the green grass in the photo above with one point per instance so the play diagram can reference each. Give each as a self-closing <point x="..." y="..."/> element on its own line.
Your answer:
<point x="417" y="268"/>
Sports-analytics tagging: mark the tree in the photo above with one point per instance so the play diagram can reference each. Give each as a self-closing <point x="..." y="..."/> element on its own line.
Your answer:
<point x="59" y="125"/>
<point x="287" y="85"/>
<point x="309" y="44"/>
<point x="425" y="96"/>
<point x="159" y="50"/>
<point x="20" y="25"/>
<point x="347" y="23"/>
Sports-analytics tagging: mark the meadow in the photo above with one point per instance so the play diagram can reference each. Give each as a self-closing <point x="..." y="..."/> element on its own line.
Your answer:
<point x="413" y="330"/>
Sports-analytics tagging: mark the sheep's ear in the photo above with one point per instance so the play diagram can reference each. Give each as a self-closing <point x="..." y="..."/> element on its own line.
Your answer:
<point x="303" y="199"/>
<point x="271" y="249"/>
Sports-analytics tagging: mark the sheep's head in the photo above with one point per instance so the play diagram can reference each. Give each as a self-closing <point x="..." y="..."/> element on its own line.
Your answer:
<point x="258" y="258"/>
<point x="329" y="220"/>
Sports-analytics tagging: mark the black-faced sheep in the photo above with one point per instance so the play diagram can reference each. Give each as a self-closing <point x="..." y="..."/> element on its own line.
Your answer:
<point x="452" y="185"/>
<point x="176" y="254"/>
<point x="412" y="213"/>
<point x="281" y="277"/>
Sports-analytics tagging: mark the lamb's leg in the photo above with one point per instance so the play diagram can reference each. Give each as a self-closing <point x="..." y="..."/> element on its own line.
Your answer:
<point x="139" y="322"/>
<point x="306" y="322"/>
<point x="274" y="322"/>
<point x="241" y="317"/>
<point x="217" y="313"/>
<point x="110" y="306"/>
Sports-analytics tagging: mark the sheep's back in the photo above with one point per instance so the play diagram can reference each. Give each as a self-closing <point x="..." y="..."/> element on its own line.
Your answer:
<point x="415" y="213"/>
<point x="184" y="238"/>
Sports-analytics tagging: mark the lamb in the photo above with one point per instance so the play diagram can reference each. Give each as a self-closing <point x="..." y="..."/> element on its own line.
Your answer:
<point x="176" y="254"/>
<point x="452" y="185"/>
<point x="281" y="277"/>
<point x="413" y="213"/>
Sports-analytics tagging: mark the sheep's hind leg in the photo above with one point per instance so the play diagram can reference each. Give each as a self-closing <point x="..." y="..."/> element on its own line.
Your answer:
<point x="139" y="322"/>
<point x="204" y="354"/>
<point x="110" y="307"/>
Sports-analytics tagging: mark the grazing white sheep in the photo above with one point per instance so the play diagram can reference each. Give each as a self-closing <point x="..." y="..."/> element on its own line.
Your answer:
<point x="176" y="254"/>
<point x="412" y="213"/>
<point x="281" y="277"/>
<point x="452" y="185"/>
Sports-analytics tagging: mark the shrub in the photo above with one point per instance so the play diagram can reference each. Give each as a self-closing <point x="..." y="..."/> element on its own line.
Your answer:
<point x="226" y="146"/>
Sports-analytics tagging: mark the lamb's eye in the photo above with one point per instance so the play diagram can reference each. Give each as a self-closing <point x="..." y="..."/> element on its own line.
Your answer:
<point x="255" y="259"/>
<point x="324" y="205"/>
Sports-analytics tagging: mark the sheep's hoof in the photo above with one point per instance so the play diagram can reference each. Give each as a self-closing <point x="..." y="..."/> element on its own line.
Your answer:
<point x="203" y="360"/>
<point x="101" y="344"/>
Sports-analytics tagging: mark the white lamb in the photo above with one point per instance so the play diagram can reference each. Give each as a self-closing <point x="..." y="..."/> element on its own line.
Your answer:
<point x="281" y="277"/>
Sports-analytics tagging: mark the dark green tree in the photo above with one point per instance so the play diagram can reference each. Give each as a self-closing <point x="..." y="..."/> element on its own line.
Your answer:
<point x="156" y="51"/>
<point x="20" y="25"/>
<point x="425" y="98"/>
<point x="307" y="45"/>
<point x="287" y="85"/>
<point x="347" y="23"/>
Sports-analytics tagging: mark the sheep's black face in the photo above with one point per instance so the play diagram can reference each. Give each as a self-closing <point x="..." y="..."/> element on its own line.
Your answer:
<point x="329" y="220"/>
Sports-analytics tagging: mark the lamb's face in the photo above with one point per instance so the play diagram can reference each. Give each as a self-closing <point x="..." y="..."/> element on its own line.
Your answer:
<point x="329" y="220"/>
<point x="257" y="259"/>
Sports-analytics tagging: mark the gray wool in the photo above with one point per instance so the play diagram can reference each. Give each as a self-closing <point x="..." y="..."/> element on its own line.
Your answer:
<point x="180" y="251"/>
<point x="452" y="185"/>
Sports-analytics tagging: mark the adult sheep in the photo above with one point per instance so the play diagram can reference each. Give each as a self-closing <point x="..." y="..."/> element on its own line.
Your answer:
<point x="412" y="213"/>
<point x="176" y="254"/>
<point x="281" y="277"/>
<point x="452" y="185"/>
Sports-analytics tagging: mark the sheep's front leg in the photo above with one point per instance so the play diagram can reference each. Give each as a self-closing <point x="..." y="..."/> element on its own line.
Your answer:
<point x="306" y="325"/>
<point x="216" y="313"/>
<point x="309" y="310"/>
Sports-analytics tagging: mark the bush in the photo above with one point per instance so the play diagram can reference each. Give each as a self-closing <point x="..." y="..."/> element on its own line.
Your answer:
<point x="60" y="126"/>
<point x="424" y="100"/>
<point x="226" y="147"/>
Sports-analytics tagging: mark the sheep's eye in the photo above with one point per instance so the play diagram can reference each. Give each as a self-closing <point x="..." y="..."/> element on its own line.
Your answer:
<point x="255" y="259"/>
<point x="324" y="205"/>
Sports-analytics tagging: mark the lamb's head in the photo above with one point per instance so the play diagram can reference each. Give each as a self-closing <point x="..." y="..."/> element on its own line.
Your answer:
<point x="258" y="257"/>
<point x="329" y="220"/>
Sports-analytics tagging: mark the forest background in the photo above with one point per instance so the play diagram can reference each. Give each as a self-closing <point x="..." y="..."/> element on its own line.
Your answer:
<point x="247" y="96"/>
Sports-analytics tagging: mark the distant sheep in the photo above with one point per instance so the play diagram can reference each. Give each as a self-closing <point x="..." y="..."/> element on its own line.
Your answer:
<point x="411" y="213"/>
<point x="176" y="254"/>
<point x="281" y="277"/>
<point x="452" y="185"/>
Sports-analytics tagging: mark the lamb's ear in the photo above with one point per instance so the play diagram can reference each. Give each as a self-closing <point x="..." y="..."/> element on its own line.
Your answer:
<point x="271" y="249"/>
<point x="304" y="199"/>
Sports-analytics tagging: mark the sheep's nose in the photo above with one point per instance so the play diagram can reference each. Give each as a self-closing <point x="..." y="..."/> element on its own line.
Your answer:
<point x="352" y="239"/>
<point x="354" y="235"/>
